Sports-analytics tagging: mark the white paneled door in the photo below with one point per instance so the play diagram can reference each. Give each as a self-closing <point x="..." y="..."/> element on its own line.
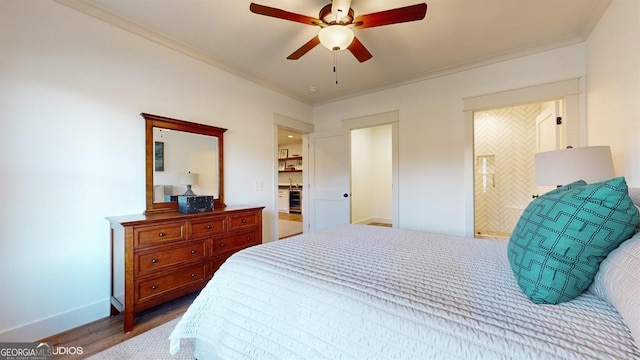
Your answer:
<point x="328" y="170"/>
<point x="549" y="135"/>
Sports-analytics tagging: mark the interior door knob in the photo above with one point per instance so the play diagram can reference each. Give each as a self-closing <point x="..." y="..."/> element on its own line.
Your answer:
<point x="345" y="195"/>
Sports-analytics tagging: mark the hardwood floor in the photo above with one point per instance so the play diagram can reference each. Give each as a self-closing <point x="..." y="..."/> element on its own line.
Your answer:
<point x="290" y="216"/>
<point x="289" y="225"/>
<point x="379" y="224"/>
<point x="102" y="334"/>
<point x="298" y="217"/>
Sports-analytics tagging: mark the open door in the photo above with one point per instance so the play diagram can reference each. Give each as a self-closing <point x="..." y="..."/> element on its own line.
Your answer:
<point x="549" y="134"/>
<point x="328" y="196"/>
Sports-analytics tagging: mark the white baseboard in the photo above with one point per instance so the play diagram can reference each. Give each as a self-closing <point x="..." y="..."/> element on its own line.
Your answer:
<point x="56" y="324"/>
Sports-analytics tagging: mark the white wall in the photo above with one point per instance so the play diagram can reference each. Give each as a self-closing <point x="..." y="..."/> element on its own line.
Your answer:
<point x="361" y="170"/>
<point x="371" y="175"/>
<point x="613" y="86"/>
<point x="72" y="152"/>
<point x="432" y="130"/>
<point x="382" y="170"/>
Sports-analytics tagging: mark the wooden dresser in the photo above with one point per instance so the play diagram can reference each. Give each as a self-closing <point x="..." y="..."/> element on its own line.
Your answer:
<point x="159" y="257"/>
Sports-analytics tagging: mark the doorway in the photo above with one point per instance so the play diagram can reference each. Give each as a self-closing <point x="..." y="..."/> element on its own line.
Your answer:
<point x="329" y="176"/>
<point x="371" y="176"/>
<point x="574" y="126"/>
<point x="290" y="183"/>
<point x="505" y="142"/>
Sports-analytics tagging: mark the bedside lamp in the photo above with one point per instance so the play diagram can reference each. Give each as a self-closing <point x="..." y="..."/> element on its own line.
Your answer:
<point x="562" y="167"/>
<point x="189" y="179"/>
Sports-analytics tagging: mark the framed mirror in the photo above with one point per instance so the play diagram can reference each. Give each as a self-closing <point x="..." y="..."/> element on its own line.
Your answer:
<point x="182" y="156"/>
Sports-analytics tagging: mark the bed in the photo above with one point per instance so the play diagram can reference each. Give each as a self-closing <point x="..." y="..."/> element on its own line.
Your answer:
<point x="368" y="292"/>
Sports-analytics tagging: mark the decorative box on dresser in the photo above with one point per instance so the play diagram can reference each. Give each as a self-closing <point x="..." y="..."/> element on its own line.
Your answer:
<point x="161" y="256"/>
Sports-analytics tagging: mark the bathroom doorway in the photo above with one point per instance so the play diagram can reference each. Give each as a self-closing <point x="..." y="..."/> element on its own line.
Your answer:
<point x="505" y="143"/>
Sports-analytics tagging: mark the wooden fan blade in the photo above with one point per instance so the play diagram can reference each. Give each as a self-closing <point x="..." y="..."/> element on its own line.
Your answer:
<point x="304" y="48"/>
<point x="359" y="51"/>
<point x="282" y="14"/>
<point x="393" y="16"/>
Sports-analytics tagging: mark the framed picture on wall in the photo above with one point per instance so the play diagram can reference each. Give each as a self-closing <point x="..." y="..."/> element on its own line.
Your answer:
<point x="281" y="165"/>
<point x="159" y="156"/>
<point x="284" y="153"/>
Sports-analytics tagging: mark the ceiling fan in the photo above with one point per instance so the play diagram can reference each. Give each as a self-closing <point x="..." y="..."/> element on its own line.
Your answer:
<point x="337" y="22"/>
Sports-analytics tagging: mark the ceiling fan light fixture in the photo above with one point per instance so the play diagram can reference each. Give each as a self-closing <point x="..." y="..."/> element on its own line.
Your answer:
<point x="336" y="37"/>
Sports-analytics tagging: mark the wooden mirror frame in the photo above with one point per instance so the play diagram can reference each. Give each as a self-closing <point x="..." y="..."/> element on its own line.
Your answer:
<point x="155" y="121"/>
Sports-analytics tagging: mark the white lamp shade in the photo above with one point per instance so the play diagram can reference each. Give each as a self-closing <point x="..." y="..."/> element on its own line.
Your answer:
<point x="562" y="167"/>
<point x="336" y="37"/>
<point x="189" y="179"/>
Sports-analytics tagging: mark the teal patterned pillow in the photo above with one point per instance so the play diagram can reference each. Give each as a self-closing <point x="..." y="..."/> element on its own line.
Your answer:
<point x="559" y="241"/>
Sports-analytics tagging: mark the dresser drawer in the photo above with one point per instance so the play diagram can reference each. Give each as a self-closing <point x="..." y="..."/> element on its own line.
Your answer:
<point x="159" y="234"/>
<point x="233" y="242"/>
<point x="183" y="278"/>
<point x="152" y="260"/>
<point x="210" y="226"/>
<point x="243" y="220"/>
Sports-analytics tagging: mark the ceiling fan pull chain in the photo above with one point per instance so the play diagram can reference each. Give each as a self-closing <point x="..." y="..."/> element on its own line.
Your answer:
<point x="335" y="65"/>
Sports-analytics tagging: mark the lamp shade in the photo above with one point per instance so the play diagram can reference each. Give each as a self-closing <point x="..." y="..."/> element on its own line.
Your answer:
<point x="562" y="167"/>
<point x="336" y="37"/>
<point x="189" y="179"/>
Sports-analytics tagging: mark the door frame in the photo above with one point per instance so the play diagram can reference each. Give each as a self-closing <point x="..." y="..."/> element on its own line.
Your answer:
<point x="548" y="132"/>
<point x="361" y="122"/>
<point x="284" y="122"/>
<point x="575" y="131"/>
<point x="387" y="118"/>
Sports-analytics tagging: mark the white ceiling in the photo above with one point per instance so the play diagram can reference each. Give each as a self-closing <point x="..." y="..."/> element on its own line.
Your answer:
<point x="455" y="35"/>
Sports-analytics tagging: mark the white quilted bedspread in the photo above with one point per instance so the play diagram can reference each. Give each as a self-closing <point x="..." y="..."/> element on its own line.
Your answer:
<point x="366" y="292"/>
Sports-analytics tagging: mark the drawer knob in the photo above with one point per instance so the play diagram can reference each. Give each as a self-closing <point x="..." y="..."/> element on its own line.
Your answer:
<point x="221" y="244"/>
<point x="244" y="221"/>
<point x="153" y="261"/>
<point x="161" y="234"/>
<point x="249" y="238"/>
<point x="208" y="227"/>
<point x="154" y="287"/>
<point x="193" y="274"/>
<point x="193" y="251"/>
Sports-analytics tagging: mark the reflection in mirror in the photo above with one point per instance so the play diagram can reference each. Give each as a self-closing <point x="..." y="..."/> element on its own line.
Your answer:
<point x="178" y="154"/>
<point x="182" y="155"/>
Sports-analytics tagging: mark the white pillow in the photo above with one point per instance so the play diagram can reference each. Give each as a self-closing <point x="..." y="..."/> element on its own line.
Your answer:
<point x="618" y="282"/>
<point x="634" y="193"/>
